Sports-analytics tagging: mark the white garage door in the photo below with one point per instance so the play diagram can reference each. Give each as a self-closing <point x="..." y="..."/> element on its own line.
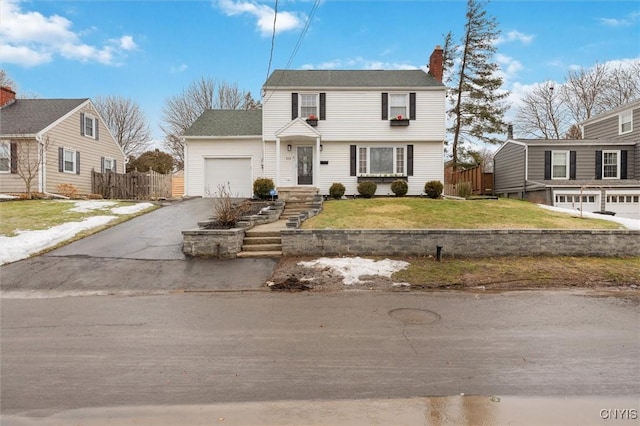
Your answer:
<point x="234" y="171"/>
<point x="590" y="203"/>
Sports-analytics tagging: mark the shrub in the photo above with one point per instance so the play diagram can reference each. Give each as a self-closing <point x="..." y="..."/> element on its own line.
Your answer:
<point x="400" y="187"/>
<point x="367" y="188"/>
<point x="433" y="188"/>
<point x="464" y="189"/>
<point x="228" y="213"/>
<point x="336" y="191"/>
<point x="67" y="189"/>
<point x="261" y="187"/>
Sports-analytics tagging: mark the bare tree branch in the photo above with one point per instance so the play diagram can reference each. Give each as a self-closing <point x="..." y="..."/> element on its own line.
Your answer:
<point x="126" y="122"/>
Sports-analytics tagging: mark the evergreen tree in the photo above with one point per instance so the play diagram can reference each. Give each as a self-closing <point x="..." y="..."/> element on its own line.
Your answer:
<point x="478" y="108"/>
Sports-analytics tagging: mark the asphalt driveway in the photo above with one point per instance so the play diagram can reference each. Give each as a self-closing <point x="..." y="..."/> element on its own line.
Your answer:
<point x="143" y="255"/>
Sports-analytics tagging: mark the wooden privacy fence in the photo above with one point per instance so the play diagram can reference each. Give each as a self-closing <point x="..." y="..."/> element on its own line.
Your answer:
<point x="481" y="182"/>
<point x="131" y="186"/>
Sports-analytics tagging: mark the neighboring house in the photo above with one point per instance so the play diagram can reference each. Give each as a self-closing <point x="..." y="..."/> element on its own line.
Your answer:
<point x="318" y="127"/>
<point x="67" y="134"/>
<point x="598" y="173"/>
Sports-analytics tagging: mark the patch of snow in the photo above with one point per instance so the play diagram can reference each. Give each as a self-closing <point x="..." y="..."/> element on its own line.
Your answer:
<point x="352" y="268"/>
<point x="626" y="222"/>
<point x="27" y="243"/>
<point x="85" y="206"/>
<point x="135" y="208"/>
<point x="7" y="197"/>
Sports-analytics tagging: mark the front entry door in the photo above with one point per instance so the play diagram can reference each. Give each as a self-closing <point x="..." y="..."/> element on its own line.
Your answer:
<point x="305" y="165"/>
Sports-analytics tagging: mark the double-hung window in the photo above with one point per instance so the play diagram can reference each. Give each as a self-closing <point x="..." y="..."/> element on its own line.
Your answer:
<point x="109" y="165"/>
<point x="560" y="165"/>
<point x="69" y="161"/>
<point x="626" y="122"/>
<point x="308" y="105"/>
<point x="88" y="126"/>
<point x="398" y="105"/>
<point x="5" y="156"/>
<point x="610" y="164"/>
<point x="381" y="161"/>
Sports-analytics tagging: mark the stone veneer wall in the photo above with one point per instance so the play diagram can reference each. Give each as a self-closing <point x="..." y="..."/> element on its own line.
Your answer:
<point x="218" y="243"/>
<point x="461" y="243"/>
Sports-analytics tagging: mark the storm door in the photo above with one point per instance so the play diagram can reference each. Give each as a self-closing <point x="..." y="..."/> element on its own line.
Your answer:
<point x="305" y="165"/>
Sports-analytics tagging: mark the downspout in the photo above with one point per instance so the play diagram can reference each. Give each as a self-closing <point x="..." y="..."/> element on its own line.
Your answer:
<point x="41" y="166"/>
<point x="526" y="171"/>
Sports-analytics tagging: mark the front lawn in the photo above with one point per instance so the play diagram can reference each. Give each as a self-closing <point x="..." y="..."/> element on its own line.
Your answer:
<point x="426" y="213"/>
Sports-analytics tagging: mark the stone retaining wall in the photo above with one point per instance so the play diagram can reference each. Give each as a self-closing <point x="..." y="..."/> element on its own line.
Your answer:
<point x="218" y="243"/>
<point x="461" y="243"/>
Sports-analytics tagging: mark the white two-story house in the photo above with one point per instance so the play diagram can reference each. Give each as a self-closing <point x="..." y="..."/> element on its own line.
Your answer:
<point x="318" y="127"/>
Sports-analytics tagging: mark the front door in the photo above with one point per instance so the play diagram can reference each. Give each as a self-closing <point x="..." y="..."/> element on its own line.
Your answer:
<point x="305" y="165"/>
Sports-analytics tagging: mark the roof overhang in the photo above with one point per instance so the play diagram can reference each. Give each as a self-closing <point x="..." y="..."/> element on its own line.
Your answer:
<point x="297" y="128"/>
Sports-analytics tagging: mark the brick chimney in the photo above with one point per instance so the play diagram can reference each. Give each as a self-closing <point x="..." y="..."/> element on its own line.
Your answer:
<point x="435" y="63"/>
<point x="7" y="96"/>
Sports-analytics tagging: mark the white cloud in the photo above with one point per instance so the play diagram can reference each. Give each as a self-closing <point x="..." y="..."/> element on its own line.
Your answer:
<point x="286" y="21"/>
<point x="358" y="63"/>
<point x="627" y="21"/>
<point x="31" y="39"/>
<point x="514" y="36"/>
<point x="508" y="66"/>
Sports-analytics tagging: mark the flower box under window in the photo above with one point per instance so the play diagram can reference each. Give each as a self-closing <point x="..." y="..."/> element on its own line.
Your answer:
<point x="399" y="122"/>
<point x="312" y="122"/>
<point x="381" y="179"/>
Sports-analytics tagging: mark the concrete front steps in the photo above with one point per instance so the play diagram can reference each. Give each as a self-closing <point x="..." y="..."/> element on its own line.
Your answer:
<point x="297" y="200"/>
<point x="259" y="242"/>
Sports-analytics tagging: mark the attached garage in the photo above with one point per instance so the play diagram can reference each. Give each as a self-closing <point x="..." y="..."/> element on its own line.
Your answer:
<point x="223" y="146"/>
<point x="236" y="172"/>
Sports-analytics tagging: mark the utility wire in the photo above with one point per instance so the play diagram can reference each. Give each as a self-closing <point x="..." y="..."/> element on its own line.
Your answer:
<point x="273" y="38"/>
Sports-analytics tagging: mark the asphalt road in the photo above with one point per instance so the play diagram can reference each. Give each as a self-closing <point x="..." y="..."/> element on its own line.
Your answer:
<point x="74" y="352"/>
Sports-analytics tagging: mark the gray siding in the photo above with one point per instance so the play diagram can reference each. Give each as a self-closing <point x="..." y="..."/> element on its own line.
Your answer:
<point x="508" y="172"/>
<point x="585" y="159"/>
<point x="608" y="128"/>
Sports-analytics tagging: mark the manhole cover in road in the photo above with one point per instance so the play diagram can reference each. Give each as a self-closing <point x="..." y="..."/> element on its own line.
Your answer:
<point x="414" y="316"/>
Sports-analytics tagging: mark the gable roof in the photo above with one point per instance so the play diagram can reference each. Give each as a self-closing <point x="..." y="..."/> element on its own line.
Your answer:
<point x="630" y="105"/>
<point x="224" y="122"/>
<point x="351" y="79"/>
<point x="30" y="116"/>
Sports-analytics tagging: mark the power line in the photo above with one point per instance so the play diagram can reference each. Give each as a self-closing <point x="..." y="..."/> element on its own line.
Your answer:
<point x="273" y="37"/>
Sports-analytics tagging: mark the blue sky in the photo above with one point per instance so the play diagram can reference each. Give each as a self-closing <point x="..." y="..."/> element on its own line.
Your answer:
<point x="150" y="50"/>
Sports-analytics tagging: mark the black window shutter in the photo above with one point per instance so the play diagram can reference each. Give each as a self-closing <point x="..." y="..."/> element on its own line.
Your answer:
<point x="598" y="164"/>
<point x="572" y="165"/>
<point x="623" y="164"/>
<point x="547" y="165"/>
<point x="409" y="160"/>
<point x="115" y="166"/>
<point x="82" y="123"/>
<point x="385" y="106"/>
<point x="352" y="160"/>
<point x="101" y="164"/>
<point x="14" y="157"/>
<point x="96" y="126"/>
<point x="323" y="106"/>
<point x="294" y="106"/>
<point x="77" y="163"/>
<point x="412" y="106"/>
<point x="61" y="159"/>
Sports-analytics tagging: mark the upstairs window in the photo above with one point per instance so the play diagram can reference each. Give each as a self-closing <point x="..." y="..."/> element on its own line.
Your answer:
<point x="309" y="105"/>
<point x="610" y="164"/>
<point x="560" y="165"/>
<point x="626" y="122"/>
<point x="88" y="126"/>
<point x="398" y="105"/>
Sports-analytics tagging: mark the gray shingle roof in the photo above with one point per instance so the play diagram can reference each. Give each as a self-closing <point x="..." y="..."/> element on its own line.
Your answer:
<point x="350" y="78"/>
<point x="564" y="142"/>
<point x="29" y="116"/>
<point x="220" y="122"/>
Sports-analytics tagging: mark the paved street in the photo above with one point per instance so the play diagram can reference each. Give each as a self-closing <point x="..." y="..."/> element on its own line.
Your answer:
<point x="76" y="352"/>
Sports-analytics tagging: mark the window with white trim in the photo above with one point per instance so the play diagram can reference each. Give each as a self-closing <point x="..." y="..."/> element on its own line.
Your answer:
<point x="69" y="161"/>
<point x="89" y="125"/>
<point x="381" y="161"/>
<point x="626" y="122"/>
<point x="5" y="157"/>
<point x="610" y="164"/>
<point x="398" y="105"/>
<point x="560" y="165"/>
<point x="109" y="165"/>
<point x="308" y="105"/>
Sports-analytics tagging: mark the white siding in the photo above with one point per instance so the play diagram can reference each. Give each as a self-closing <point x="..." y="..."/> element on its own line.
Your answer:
<point x="198" y="150"/>
<point x="356" y="116"/>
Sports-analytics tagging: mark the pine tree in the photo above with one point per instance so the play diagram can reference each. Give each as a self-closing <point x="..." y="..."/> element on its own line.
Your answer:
<point x="478" y="108"/>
